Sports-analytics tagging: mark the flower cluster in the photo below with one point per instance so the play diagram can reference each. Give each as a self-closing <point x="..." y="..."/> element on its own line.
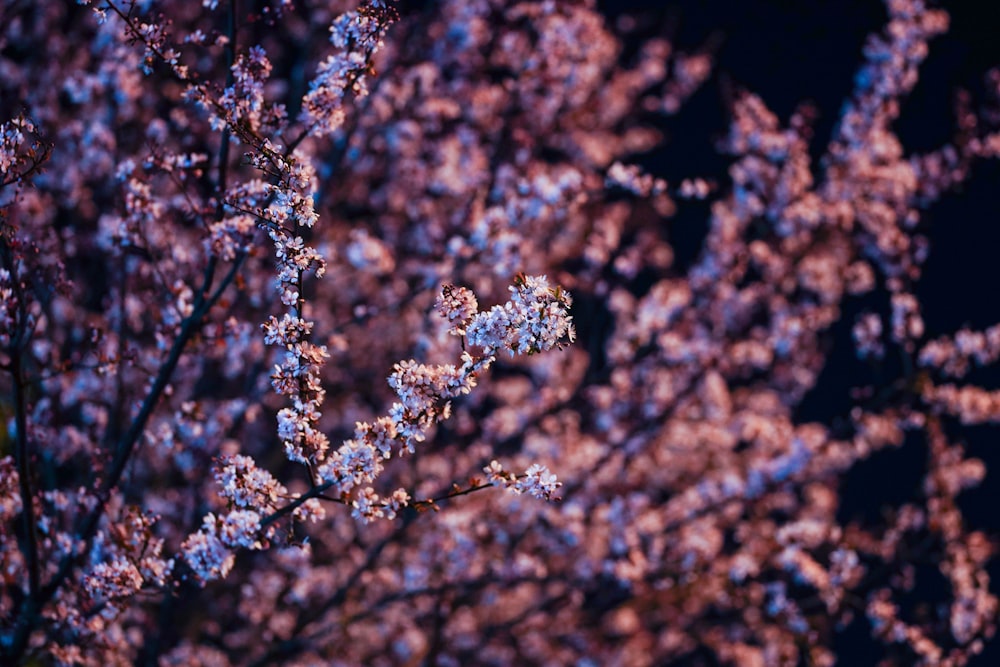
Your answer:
<point x="536" y="314"/>
<point x="242" y="104"/>
<point x="458" y="305"/>
<point x="356" y="36"/>
<point x="16" y="148"/>
<point x="232" y="236"/>
<point x="126" y="560"/>
<point x="289" y="213"/>
<point x="246" y="485"/>
<point x="537" y="480"/>
<point x="535" y="319"/>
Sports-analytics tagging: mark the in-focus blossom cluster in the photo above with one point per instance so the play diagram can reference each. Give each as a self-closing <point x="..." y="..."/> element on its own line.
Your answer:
<point x="535" y="319"/>
<point x="537" y="481"/>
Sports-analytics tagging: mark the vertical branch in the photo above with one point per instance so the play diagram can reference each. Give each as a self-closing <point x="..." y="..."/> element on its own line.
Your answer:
<point x="22" y="453"/>
<point x="437" y="640"/>
<point x="230" y="79"/>
<point x="113" y="431"/>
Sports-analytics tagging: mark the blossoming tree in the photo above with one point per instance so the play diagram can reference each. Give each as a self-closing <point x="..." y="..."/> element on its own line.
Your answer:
<point x="224" y="225"/>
